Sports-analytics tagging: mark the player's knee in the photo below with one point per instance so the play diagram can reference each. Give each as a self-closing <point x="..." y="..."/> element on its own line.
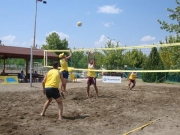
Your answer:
<point x="49" y="100"/>
<point x="59" y="101"/>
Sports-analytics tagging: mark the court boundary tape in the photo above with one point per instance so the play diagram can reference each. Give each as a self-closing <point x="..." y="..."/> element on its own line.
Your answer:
<point x="147" y="124"/>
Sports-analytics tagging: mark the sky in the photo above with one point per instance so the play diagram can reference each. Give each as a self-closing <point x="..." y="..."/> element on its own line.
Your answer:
<point x="126" y="22"/>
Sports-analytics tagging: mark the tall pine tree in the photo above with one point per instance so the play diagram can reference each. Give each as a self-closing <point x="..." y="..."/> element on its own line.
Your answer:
<point x="153" y="62"/>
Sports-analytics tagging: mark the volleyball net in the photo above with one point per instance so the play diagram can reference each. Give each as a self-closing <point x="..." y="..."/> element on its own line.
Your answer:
<point x="126" y="58"/>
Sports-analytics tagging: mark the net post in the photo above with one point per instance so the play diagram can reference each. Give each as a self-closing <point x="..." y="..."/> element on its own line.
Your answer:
<point x="46" y="58"/>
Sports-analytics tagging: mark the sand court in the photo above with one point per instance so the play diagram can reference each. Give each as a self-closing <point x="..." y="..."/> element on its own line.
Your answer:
<point x="117" y="111"/>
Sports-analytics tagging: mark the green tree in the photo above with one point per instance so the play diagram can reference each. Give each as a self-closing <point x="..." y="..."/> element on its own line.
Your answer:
<point x="113" y="59"/>
<point x="99" y="59"/>
<point x="53" y="42"/>
<point x="134" y="58"/>
<point x="153" y="62"/>
<point x="20" y="61"/>
<point x="1" y="62"/>
<point x="78" y="59"/>
<point x="170" y="55"/>
<point x="175" y="16"/>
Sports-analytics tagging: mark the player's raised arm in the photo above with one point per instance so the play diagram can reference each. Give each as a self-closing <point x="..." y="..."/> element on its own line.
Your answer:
<point x="94" y="60"/>
<point x="70" y="55"/>
<point x="88" y="57"/>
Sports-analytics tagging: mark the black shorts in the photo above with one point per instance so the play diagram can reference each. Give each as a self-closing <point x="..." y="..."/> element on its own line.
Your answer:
<point x="65" y="74"/>
<point x="52" y="93"/>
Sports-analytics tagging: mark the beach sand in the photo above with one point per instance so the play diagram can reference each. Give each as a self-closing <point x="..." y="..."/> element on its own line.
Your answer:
<point x="117" y="110"/>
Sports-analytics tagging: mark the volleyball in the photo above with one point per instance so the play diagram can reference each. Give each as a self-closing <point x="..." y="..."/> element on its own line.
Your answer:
<point x="79" y="23"/>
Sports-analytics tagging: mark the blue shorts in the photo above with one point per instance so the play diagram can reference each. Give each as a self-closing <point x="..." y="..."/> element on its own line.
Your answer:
<point x="52" y="93"/>
<point x="65" y="74"/>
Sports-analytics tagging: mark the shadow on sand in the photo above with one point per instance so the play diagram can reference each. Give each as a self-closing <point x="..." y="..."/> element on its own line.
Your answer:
<point x="75" y="117"/>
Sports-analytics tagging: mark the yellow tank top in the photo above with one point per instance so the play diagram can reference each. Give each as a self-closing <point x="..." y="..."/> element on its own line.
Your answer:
<point x="64" y="65"/>
<point x="52" y="79"/>
<point x="133" y="76"/>
<point x="91" y="73"/>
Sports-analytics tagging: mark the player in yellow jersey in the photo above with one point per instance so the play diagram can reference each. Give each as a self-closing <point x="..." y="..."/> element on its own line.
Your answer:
<point x="51" y="83"/>
<point x="91" y="75"/>
<point x="64" y="68"/>
<point x="132" y="79"/>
